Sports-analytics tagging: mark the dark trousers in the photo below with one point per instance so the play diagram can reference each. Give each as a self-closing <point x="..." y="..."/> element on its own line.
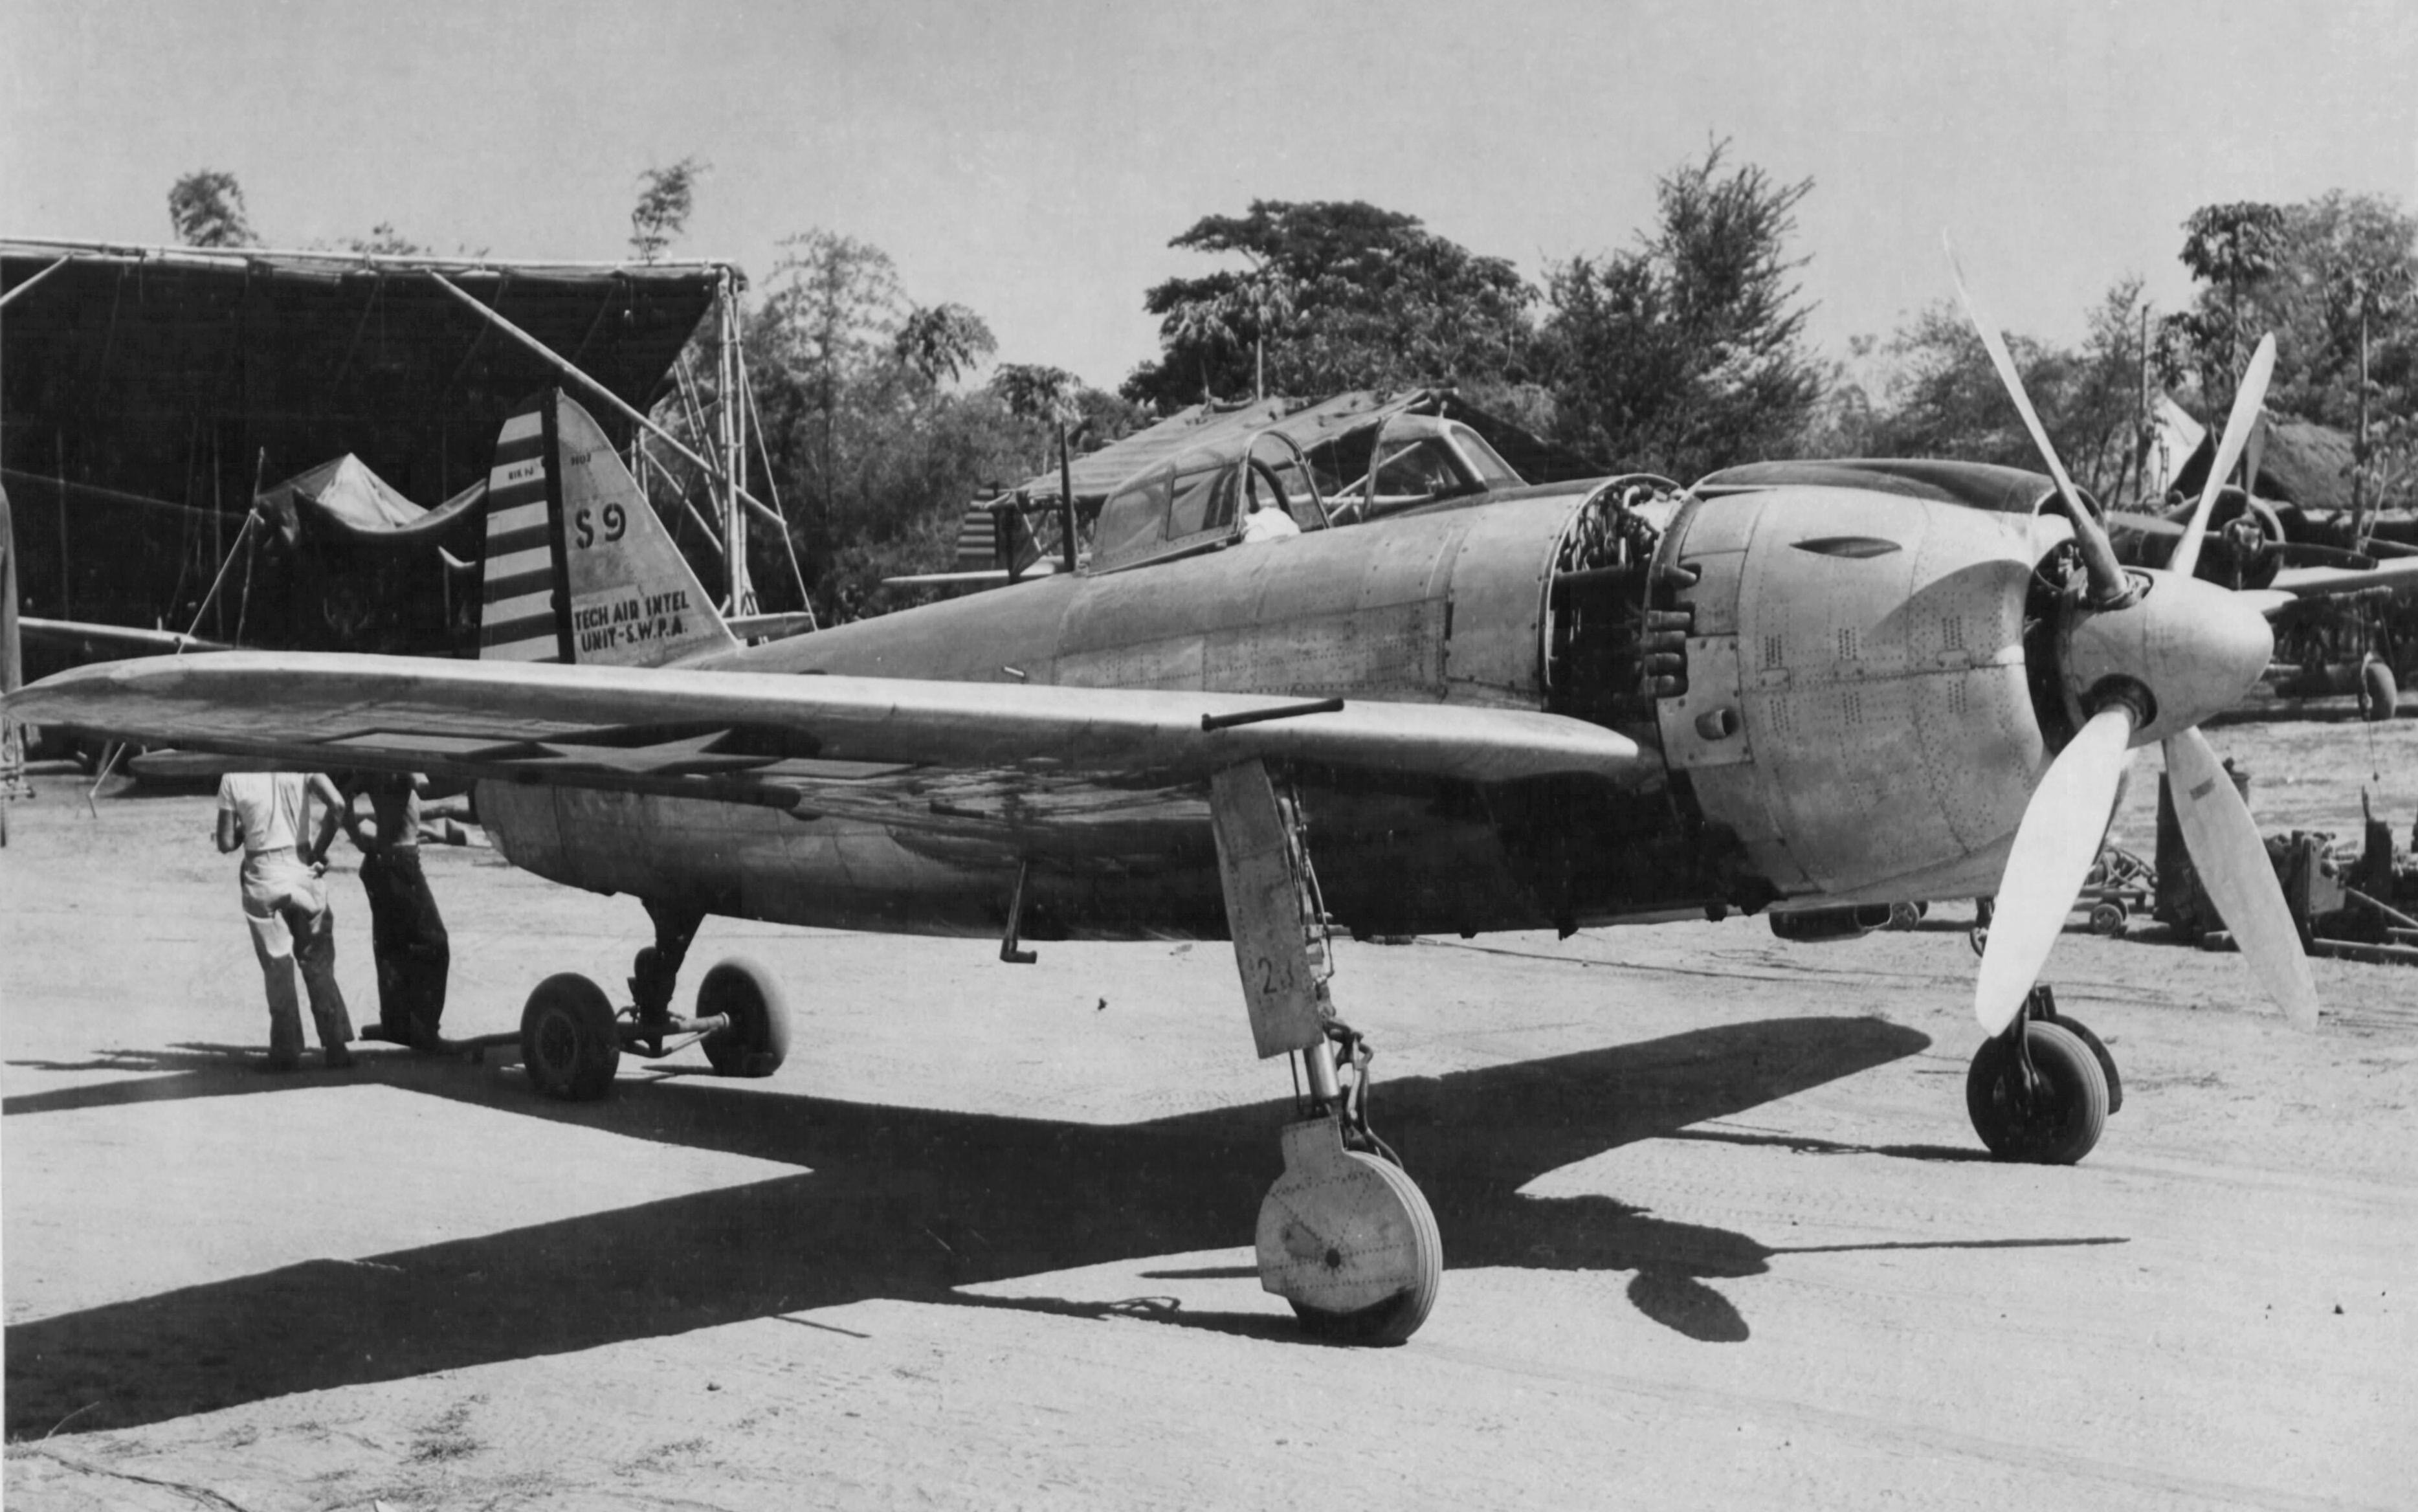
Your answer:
<point x="408" y="939"/>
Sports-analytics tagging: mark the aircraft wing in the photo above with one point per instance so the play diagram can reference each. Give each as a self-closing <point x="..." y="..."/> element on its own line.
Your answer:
<point x="891" y="748"/>
<point x="2399" y="575"/>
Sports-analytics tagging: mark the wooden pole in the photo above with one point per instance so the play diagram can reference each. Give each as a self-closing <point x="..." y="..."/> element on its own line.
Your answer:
<point x="5" y="299"/>
<point x="2352" y="950"/>
<point x="2144" y="432"/>
<point x="59" y="460"/>
<point x="211" y="597"/>
<point x="772" y="486"/>
<point x="1066" y="496"/>
<point x="620" y="405"/>
<point x="2358" y="445"/>
<point x="725" y="436"/>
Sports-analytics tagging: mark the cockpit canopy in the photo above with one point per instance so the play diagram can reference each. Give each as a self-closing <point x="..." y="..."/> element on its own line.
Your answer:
<point x="1421" y="459"/>
<point x="1203" y="498"/>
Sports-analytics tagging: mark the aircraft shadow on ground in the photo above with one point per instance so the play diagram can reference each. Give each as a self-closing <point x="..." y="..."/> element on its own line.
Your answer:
<point x="191" y="1069"/>
<point x="915" y="1204"/>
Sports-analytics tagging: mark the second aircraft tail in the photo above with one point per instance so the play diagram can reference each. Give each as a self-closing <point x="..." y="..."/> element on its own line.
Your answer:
<point x="578" y="569"/>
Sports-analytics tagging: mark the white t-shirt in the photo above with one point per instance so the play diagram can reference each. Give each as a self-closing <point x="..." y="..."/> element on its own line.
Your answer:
<point x="268" y="806"/>
<point x="1270" y="524"/>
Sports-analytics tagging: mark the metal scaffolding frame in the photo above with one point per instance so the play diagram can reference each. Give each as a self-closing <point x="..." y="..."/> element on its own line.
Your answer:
<point x="726" y="415"/>
<point x="721" y="425"/>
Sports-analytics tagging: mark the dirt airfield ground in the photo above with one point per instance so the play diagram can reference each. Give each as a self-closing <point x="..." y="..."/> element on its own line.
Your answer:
<point x="1718" y="1232"/>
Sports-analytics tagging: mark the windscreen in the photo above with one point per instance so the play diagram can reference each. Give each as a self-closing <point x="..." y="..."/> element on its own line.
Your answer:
<point x="1190" y="499"/>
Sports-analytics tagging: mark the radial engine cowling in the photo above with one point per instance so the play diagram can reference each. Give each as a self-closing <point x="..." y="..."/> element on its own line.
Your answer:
<point x="1856" y="706"/>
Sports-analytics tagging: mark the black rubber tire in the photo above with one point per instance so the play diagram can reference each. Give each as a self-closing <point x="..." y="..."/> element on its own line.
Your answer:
<point x="2099" y="1051"/>
<point x="2070" y="1113"/>
<point x="2109" y="917"/>
<point x="758" y="1040"/>
<point x="570" y="1041"/>
<point x="1396" y="1318"/>
<point x="2379" y="696"/>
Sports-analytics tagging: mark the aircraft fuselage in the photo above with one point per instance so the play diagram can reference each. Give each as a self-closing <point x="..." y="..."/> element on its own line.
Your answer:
<point x="1852" y="723"/>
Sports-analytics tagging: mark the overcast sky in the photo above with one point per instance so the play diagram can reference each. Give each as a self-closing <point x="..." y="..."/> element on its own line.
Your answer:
<point x="1033" y="161"/>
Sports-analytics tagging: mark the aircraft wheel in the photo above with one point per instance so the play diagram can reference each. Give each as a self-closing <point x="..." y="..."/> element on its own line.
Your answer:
<point x="2068" y="1108"/>
<point x="1349" y="1241"/>
<point x="758" y="1040"/>
<point x="569" y="1040"/>
<point x="2098" y="1048"/>
<point x="2380" y="698"/>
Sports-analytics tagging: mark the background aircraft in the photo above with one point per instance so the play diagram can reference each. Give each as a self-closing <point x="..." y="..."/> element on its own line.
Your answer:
<point x="1805" y="691"/>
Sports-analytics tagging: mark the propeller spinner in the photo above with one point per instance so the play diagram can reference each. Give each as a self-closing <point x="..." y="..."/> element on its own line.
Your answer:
<point x="2146" y="655"/>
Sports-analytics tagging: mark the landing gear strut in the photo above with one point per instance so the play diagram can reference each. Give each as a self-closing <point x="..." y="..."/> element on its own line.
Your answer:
<point x="2040" y="1089"/>
<point x="1344" y="1235"/>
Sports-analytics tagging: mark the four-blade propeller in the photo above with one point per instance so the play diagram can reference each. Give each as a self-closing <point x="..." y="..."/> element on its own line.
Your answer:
<point x="2146" y="655"/>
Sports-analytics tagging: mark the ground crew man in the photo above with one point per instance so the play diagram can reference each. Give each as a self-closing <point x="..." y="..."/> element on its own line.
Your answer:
<point x="286" y="903"/>
<point x="406" y="931"/>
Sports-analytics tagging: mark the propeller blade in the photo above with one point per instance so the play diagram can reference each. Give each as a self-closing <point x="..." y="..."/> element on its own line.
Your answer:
<point x="2107" y="580"/>
<point x="2244" y="419"/>
<point x="2054" y="848"/>
<point x="2233" y="866"/>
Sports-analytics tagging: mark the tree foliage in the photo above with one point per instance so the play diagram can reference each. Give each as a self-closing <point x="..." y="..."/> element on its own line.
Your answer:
<point x="1687" y="352"/>
<point x="383" y="240"/>
<point x="874" y="449"/>
<point x="665" y="196"/>
<point x="205" y="207"/>
<point x="1335" y="295"/>
<point x="943" y="342"/>
<point x="1941" y="397"/>
<point x="2324" y="276"/>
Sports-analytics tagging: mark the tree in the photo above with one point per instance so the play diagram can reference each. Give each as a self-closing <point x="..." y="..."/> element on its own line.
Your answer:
<point x="1335" y="295"/>
<point x="2331" y="279"/>
<point x="1941" y="397"/>
<point x="206" y="207"/>
<point x="830" y="319"/>
<point x="943" y="342"/>
<point x="1687" y="352"/>
<point x="665" y="196"/>
<point x="383" y="240"/>
<point x="1037" y="392"/>
<point x="2235" y="249"/>
<point x="873" y="451"/>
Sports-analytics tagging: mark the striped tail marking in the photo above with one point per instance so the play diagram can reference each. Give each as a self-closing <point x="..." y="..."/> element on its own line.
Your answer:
<point x="521" y="618"/>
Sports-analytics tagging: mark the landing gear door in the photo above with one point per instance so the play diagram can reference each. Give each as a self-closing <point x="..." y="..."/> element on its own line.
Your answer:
<point x="1702" y="718"/>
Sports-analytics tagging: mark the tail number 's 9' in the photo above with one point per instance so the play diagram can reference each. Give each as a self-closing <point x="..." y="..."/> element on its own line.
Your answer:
<point x="617" y="525"/>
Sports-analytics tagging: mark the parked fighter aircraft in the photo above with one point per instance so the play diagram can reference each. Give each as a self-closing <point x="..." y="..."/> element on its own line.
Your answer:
<point x="1573" y="705"/>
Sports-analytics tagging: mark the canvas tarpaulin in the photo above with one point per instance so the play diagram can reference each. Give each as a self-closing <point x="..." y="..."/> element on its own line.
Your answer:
<point x="345" y="494"/>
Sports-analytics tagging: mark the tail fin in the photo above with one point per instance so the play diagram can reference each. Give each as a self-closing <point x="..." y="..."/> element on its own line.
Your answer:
<point x="578" y="569"/>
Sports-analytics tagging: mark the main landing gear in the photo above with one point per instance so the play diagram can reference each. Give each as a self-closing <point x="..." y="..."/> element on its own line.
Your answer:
<point x="1344" y="1235"/>
<point x="2040" y="1089"/>
<point x="572" y="1038"/>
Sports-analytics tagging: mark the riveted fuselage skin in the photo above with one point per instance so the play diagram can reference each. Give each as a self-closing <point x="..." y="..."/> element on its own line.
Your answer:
<point x="1883" y="734"/>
